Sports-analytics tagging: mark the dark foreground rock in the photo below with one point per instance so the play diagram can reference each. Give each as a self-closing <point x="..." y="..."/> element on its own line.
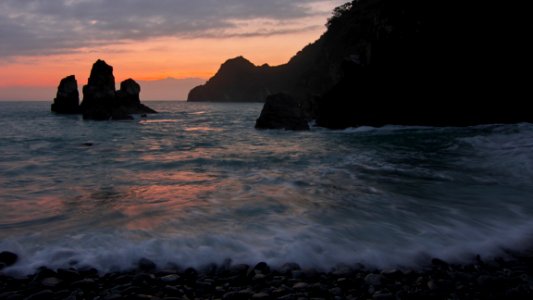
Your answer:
<point x="67" y="100"/>
<point x="509" y="278"/>
<point x="100" y="100"/>
<point x="432" y="63"/>
<point x="281" y="111"/>
<point x="411" y="65"/>
<point x="7" y="259"/>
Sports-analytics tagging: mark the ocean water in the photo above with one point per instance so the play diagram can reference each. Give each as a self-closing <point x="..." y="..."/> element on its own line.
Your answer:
<point x="197" y="184"/>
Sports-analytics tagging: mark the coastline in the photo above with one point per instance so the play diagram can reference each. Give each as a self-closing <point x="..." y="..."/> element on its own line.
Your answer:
<point x="509" y="277"/>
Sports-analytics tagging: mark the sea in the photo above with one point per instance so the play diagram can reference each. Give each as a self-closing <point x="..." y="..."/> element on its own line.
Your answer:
<point x="196" y="184"/>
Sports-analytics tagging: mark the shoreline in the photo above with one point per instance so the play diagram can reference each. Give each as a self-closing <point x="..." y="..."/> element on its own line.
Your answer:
<point x="509" y="277"/>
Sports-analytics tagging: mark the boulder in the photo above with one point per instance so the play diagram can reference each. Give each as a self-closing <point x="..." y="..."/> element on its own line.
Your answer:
<point x="129" y="93"/>
<point x="128" y="98"/>
<point x="282" y="111"/>
<point x="67" y="100"/>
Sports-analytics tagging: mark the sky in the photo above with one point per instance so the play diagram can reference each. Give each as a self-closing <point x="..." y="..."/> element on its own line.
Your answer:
<point x="168" y="41"/>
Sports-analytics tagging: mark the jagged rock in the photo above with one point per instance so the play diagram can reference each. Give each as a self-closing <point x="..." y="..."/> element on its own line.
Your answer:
<point x="102" y="102"/>
<point x="282" y="111"/>
<point x="99" y="93"/>
<point x="67" y="100"/>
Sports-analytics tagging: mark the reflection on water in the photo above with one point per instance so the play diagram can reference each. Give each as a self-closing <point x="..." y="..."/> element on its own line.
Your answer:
<point x="146" y="121"/>
<point x="197" y="184"/>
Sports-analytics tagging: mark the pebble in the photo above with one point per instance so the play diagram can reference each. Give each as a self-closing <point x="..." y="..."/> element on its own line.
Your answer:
<point x="260" y="296"/>
<point x="382" y="295"/>
<point x="51" y="282"/>
<point x="41" y="295"/>
<point x="300" y="285"/>
<point x="373" y="279"/>
<point x="509" y="279"/>
<point x="170" y="278"/>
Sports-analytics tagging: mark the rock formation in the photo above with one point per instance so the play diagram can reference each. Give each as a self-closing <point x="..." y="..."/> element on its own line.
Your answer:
<point x="411" y="62"/>
<point x="282" y="111"/>
<point x="425" y="63"/>
<point x="128" y="98"/>
<point x="99" y="97"/>
<point x="100" y="100"/>
<point x="67" y="100"/>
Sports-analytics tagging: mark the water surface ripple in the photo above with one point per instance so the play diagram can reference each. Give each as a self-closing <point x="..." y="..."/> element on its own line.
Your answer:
<point x="197" y="184"/>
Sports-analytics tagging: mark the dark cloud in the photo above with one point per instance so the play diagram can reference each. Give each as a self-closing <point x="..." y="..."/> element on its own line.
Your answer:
<point x="30" y="27"/>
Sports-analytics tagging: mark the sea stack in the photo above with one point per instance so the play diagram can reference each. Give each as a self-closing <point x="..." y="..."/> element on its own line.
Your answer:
<point x="282" y="111"/>
<point x="100" y="100"/>
<point x="128" y="98"/>
<point x="67" y="100"/>
<point x="99" y="93"/>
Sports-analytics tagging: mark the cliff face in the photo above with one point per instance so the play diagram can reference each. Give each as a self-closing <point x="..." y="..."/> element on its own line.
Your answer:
<point x="434" y="63"/>
<point x="411" y="62"/>
<point x="309" y="73"/>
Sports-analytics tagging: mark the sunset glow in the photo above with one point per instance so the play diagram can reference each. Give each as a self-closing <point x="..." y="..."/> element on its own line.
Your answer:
<point x="37" y="58"/>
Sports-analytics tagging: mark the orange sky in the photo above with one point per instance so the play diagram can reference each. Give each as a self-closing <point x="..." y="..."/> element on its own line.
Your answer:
<point x="261" y="40"/>
<point x="156" y="59"/>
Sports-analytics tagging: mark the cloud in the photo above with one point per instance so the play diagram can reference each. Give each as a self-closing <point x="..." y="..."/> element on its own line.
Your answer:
<point x="37" y="27"/>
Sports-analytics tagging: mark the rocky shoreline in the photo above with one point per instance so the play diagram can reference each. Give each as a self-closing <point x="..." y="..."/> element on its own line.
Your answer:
<point x="509" y="277"/>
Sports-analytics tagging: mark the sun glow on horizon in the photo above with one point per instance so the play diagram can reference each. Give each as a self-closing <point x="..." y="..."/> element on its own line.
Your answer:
<point x="261" y="40"/>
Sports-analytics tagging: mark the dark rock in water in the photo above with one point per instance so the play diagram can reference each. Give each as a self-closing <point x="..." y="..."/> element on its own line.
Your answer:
<point x="99" y="94"/>
<point x="128" y="99"/>
<point x="282" y="111"/>
<point x="7" y="259"/>
<point x="67" y="100"/>
<point x="100" y="100"/>
<point x="129" y="92"/>
<point x="410" y="66"/>
<point x="405" y="63"/>
<point x="145" y="264"/>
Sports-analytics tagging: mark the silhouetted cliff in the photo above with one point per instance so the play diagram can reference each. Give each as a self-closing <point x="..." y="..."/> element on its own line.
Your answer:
<point x="309" y="73"/>
<point x="399" y="62"/>
<point x="416" y="62"/>
<point x="435" y="63"/>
